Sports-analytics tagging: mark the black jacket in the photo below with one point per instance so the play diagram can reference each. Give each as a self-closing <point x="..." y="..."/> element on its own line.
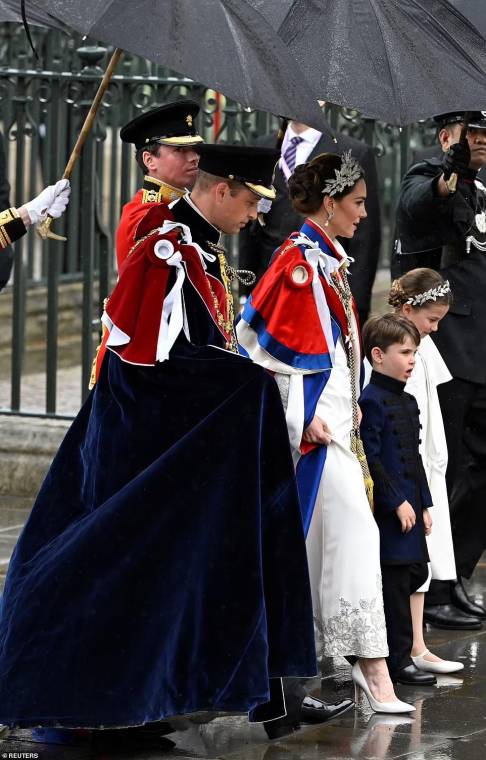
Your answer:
<point x="434" y="231"/>
<point x="390" y="430"/>
<point x="258" y="243"/>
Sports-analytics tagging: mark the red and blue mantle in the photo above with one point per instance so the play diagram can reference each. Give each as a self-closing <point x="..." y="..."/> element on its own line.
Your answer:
<point x="283" y="313"/>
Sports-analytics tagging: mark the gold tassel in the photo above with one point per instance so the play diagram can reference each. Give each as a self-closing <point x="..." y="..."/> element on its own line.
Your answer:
<point x="358" y="450"/>
<point x="104" y="330"/>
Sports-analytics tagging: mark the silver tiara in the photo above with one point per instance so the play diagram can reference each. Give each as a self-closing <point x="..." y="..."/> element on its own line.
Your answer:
<point x="430" y="295"/>
<point x="346" y="176"/>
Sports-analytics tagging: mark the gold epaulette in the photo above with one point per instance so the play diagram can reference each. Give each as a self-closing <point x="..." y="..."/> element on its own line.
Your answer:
<point x="156" y="191"/>
<point x="11" y="227"/>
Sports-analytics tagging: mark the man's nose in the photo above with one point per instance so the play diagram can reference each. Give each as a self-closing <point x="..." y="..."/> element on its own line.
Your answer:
<point x="253" y="213"/>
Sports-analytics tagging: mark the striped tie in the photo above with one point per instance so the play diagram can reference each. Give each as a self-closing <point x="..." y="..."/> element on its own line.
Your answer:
<point x="291" y="153"/>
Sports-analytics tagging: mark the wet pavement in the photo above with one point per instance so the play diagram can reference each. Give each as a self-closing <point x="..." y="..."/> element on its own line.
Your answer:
<point x="449" y="722"/>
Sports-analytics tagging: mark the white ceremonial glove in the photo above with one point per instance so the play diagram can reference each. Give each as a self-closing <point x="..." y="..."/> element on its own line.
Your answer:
<point x="52" y="201"/>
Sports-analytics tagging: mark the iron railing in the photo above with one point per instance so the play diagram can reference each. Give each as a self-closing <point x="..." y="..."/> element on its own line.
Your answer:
<point x="41" y="111"/>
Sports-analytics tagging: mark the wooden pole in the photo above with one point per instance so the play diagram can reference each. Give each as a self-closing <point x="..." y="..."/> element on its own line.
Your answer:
<point x="44" y="228"/>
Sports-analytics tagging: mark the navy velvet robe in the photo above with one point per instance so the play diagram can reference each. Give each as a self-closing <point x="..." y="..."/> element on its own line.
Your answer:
<point x="162" y="570"/>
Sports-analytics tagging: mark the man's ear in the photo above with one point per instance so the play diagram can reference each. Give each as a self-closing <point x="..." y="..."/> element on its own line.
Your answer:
<point x="376" y="355"/>
<point x="444" y="139"/>
<point x="147" y="159"/>
<point x="221" y="190"/>
<point x="449" y="137"/>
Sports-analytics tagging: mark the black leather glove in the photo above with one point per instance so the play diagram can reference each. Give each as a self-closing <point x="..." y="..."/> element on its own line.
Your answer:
<point x="456" y="160"/>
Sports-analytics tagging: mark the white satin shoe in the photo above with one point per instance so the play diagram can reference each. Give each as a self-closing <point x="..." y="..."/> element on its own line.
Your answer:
<point x="378" y="707"/>
<point x="444" y="666"/>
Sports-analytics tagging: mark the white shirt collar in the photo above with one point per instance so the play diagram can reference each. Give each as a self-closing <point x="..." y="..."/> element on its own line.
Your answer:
<point x="310" y="135"/>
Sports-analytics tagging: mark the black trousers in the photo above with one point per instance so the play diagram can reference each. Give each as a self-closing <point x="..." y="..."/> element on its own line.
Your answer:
<point x="399" y="582"/>
<point x="286" y="694"/>
<point x="463" y="406"/>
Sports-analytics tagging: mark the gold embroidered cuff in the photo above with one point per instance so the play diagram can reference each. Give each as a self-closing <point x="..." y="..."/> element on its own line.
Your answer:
<point x="11" y="227"/>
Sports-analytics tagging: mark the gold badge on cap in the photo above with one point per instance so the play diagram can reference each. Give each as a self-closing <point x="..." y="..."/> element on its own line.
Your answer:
<point x="189" y="120"/>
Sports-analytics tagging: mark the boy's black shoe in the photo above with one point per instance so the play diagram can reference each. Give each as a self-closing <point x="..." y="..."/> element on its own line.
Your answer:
<point x="412" y="675"/>
<point x="460" y="599"/>
<point x="449" y="617"/>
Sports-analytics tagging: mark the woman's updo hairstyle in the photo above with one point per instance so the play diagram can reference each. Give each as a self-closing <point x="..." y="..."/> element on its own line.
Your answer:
<point x="308" y="181"/>
<point x="426" y="284"/>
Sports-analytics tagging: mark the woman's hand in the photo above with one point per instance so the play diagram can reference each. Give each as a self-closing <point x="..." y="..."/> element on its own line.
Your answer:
<point x="427" y="522"/>
<point x="318" y="432"/>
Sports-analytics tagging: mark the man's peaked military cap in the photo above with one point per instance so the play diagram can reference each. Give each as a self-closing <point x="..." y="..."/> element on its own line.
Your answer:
<point x="171" y="124"/>
<point x="252" y="166"/>
<point x="477" y="119"/>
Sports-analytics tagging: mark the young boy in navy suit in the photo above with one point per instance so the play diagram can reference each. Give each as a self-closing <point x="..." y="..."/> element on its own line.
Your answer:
<point x="390" y="430"/>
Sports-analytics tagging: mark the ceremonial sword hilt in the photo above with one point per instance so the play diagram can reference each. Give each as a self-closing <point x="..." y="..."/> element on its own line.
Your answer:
<point x="44" y="230"/>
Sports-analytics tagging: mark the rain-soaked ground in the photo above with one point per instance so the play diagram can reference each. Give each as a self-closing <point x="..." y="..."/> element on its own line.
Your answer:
<point x="449" y="722"/>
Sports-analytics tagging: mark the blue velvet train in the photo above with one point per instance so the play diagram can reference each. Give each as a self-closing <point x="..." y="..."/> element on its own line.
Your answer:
<point x="162" y="570"/>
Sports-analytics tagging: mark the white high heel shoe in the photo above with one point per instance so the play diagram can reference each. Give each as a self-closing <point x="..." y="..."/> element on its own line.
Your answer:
<point x="444" y="666"/>
<point x="379" y="707"/>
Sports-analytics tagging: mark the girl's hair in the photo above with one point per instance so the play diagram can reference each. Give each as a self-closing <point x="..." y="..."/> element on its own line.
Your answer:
<point x="384" y="331"/>
<point x="426" y="284"/>
<point x="308" y="180"/>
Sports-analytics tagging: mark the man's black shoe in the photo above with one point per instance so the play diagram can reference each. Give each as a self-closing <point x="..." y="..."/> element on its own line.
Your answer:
<point x="276" y="729"/>
<point x="448" y="616"/>
<point x="461" y="600"/>
<point x="314" y="710"/>
<point x="412" y="675"/>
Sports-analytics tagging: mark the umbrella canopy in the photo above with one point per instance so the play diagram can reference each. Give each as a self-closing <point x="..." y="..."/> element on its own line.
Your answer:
<point x="10" y="11"/>
<point x="395" y="60"/>
<point x="7" y="14"/>
<point x="225" y="44"/>
<point x="474" y="11"/>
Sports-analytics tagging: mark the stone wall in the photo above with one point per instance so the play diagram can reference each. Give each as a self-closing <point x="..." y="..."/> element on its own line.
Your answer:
<point x="27" y="448"/>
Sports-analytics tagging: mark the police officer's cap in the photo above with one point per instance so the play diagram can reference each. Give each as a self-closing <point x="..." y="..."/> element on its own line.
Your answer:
<point x="252" y="166"/>
<point x="477" y="119"/>
<point x="171" y="124"/>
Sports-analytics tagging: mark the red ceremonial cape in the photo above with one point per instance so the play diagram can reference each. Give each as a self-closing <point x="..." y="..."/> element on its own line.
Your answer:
<point x="133" y="212"/>
<point x="135" y="306"/>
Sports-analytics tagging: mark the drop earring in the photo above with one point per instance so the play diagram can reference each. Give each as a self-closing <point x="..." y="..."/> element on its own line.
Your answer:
<point x="330" y="217"/>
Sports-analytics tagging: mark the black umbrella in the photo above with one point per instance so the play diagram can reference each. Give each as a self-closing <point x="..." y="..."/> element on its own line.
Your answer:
<point x="225" y="44"/>
<point x="10" y="10"/>
<point x="474" y="11"/>
<point x="395" y="60"/>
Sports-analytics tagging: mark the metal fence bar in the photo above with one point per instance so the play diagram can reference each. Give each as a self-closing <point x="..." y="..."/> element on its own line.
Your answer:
<point x="18" y="324"/>
<point x="41" y="107"/>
